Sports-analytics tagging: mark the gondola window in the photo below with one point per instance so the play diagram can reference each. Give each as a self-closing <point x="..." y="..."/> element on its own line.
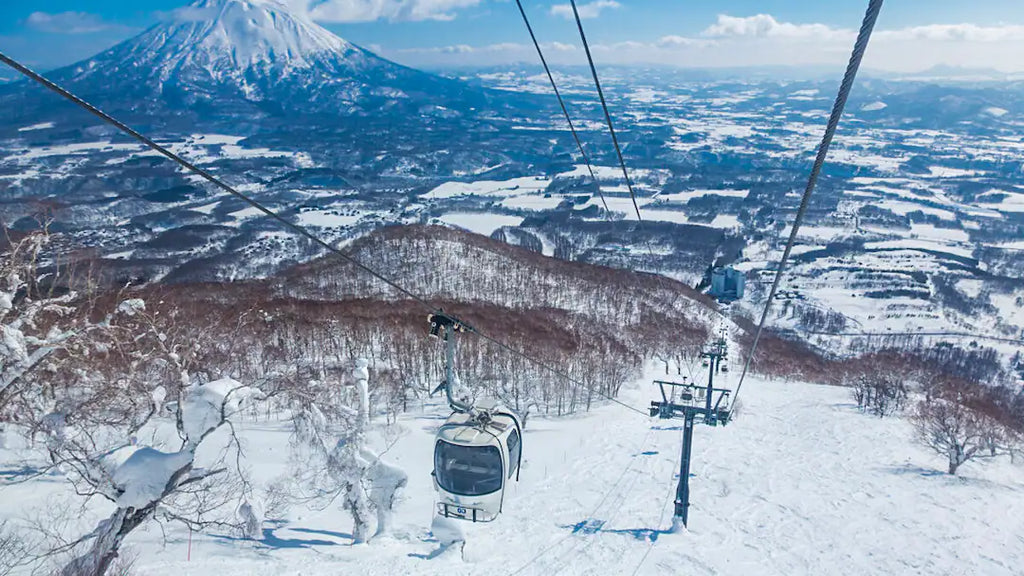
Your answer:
<point x="468" y="470"/>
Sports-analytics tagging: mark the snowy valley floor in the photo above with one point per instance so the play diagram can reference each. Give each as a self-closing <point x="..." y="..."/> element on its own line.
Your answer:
<point x="800" y="483"/>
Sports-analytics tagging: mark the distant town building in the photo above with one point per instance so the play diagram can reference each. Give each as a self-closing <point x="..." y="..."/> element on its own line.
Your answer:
<point x="727" y="284"/>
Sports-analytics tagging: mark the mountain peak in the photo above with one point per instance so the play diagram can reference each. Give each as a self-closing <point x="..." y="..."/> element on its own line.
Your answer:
<point x="232" y="37"/>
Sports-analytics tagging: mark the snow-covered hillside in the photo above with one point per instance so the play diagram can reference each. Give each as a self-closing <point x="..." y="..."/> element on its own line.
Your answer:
<point x="800" y="483"/>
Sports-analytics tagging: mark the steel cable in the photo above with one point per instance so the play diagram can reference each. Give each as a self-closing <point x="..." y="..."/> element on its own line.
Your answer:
<point x="565" y="111"/>
<point x="604" y="106"/>
<point x="863" y="37"/>
<point x="290" y="225"/>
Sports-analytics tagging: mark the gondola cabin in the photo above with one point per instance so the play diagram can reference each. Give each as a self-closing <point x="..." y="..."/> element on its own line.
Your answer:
<point x="476" y="455"/>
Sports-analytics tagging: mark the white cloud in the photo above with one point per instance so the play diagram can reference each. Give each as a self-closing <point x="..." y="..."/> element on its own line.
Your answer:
<point x="69" y="23"/>
<point x="956" y="33"/>
<point x="505" y="47"/>
<point x="591" y="10"/>
<point x="673" y="41"/>
<point x="559" y="47"/>
<point x="766" y="26"/>
<point x="763" y="40"/>
<point x="392" y="10"/>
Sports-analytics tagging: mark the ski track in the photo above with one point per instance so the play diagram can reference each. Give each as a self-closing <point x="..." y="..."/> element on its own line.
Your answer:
<point x="799" y="483"/>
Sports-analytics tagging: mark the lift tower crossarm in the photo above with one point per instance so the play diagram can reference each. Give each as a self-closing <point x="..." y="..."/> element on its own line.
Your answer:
<point x="707" y="404"/>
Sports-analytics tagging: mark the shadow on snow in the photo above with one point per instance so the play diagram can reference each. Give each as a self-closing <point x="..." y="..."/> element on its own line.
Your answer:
<point x="594" y="526"/>
<point x="272" y="540"/>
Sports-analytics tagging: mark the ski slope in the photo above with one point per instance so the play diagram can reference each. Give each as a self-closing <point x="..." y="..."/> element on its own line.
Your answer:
<point x="799" y="483"/>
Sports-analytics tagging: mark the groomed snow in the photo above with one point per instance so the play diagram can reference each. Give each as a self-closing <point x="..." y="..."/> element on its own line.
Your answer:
<point x="800" y="483"/>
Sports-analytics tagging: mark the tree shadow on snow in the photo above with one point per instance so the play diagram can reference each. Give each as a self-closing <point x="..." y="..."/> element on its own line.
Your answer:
<point x="344" y="535"/>
<point x="441" y="549"/>
<point x="957" y="479"/>
<point x="915" y="470"/>
<point x="26" y="471"/>
<point x="645" y="534"/>
<point x="271" y="540"/>
<point x="431" y="417"/>
<point x="594" y="526"/>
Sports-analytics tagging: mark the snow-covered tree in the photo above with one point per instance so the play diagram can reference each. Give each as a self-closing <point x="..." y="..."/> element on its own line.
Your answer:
<point x="144" y="379"/>
<point x="35" y="321"/>
<point x="333" y="462"/>
<point x="145" y="481"/>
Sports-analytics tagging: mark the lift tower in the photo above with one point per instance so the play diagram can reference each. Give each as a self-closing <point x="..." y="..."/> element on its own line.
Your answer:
<point x="694" y="403"/>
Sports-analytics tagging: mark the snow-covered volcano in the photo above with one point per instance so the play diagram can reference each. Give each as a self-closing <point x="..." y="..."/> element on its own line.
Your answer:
<point x="234" y="38"/>
<point x="251" y="60"/>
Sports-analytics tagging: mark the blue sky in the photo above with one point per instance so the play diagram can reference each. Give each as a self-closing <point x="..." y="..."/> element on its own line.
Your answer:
<point x="919" y="33"/>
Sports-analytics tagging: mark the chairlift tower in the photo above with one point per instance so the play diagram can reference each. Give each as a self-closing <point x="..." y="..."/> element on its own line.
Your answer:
<point x="695" y="403"/>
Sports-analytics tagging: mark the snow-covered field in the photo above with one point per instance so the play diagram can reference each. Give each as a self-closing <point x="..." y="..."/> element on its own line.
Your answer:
<point x="800" y="483"/>
<point x="480" y="222"/>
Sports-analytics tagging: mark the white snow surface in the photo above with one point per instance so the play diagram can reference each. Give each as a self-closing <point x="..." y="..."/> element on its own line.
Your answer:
<point x="799" y="483"/>
<point x="513" y="187"/>
<point x="327" y="219"/>
<point x="1008" y="202"/>
<point x="480" y="222"/>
